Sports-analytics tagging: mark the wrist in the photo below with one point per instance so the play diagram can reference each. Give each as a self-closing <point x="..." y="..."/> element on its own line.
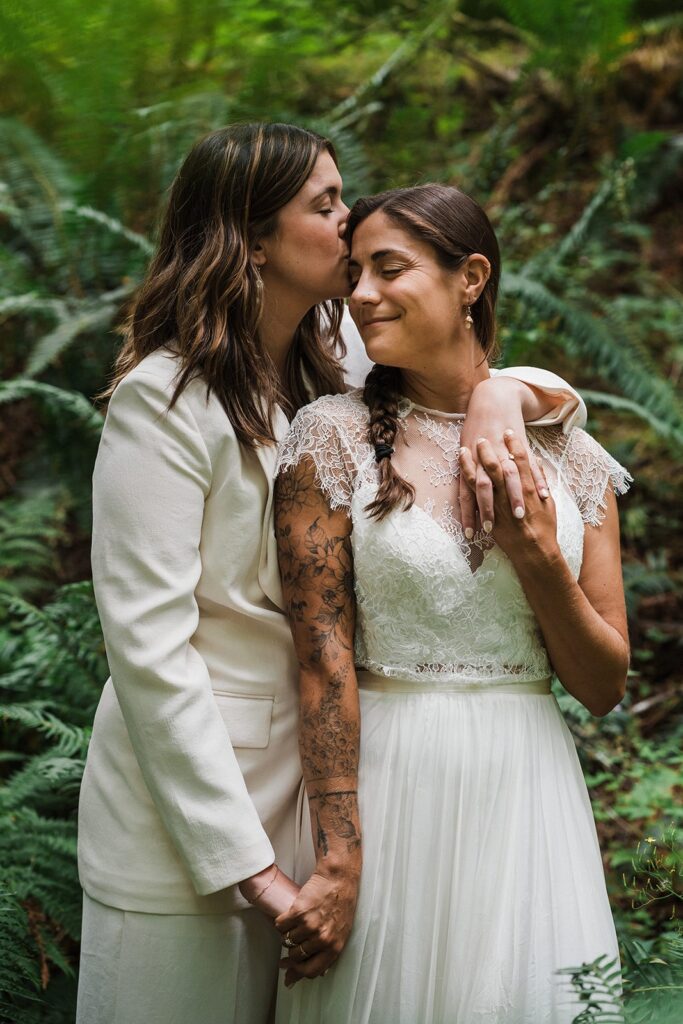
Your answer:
<point x="254" y="886"/>
<point x="346" y="866"/>
<point x="501" y="400"/>
<point x="539" y="560"/>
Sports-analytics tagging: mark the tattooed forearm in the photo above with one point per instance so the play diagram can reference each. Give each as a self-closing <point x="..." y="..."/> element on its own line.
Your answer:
<point x="329" y="740"/>
<point x="329" y="730"/>
<point x="316" y="565"/>
<point x="340" y="811"/>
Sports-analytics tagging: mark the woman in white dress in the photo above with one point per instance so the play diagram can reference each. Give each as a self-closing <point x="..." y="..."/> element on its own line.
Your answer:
<point x="425" y="657"/>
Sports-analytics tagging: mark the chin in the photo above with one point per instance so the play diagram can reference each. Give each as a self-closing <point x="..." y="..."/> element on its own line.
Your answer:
<point x="379" y="352"/>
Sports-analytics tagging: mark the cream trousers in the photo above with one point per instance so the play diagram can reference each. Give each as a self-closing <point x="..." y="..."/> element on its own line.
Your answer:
<point x="176" y="969"/>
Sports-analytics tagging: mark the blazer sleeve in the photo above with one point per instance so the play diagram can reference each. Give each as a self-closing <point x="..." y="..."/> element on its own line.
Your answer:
<point x="152" y="475"/>
<point x="570" y="408"/>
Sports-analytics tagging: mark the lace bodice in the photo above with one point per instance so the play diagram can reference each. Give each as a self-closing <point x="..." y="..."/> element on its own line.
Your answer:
<point x="430" y="604"/>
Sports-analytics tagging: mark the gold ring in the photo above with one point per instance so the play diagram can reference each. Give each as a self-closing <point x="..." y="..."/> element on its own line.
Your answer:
<point x="304" y="954"/>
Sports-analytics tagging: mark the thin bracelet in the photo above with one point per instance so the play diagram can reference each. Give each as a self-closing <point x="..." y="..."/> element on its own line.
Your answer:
<point x="266" y="887"/>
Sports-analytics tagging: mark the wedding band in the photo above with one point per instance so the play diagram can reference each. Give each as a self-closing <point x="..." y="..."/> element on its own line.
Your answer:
<point x="304" y="954"/>
<point x="287" y="942"/>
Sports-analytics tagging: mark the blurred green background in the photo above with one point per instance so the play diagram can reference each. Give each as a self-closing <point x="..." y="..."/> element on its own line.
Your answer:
<point x="565" y="119"/>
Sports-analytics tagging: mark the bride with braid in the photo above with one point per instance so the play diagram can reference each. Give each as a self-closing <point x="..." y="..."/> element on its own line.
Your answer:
<point x="441" y="776"/>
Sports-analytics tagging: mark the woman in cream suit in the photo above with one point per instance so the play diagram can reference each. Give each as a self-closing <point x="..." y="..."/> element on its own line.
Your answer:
<point x="190" y="801"/>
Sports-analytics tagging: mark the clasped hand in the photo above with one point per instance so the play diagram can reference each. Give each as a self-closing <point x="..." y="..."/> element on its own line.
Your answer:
<point x="529" y="528"/>
<point x="317" y="925"/>
<point x="490" y="412"/>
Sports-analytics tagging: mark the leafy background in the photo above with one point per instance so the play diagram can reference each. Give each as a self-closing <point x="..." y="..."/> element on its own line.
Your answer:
<point x="564" y="119"/>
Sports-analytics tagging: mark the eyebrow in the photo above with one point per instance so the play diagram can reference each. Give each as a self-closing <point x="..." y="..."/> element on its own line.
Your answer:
<point x="380" y="254"/>
<point x="332" y="191"/>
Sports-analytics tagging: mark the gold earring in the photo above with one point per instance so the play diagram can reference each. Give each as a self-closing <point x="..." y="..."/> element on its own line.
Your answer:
<point x="468" y="318"/>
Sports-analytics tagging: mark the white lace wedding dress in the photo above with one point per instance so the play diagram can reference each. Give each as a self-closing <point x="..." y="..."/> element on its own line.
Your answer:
<point x="481" y="867"/>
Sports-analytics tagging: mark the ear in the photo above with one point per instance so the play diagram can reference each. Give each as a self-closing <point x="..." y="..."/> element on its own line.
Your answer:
<point x="477" y="271"/>
<point x="258" y="255"/>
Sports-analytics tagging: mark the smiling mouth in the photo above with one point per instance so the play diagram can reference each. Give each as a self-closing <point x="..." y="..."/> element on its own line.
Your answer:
<point x="379" y="320"/>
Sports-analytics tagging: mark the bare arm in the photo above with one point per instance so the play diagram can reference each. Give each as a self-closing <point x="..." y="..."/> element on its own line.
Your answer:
<point x="314" y="546"/>
<point x="583" y="622"/>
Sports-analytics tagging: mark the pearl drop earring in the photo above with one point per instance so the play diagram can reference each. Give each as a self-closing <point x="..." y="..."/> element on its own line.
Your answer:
<point x="468" y="318"/>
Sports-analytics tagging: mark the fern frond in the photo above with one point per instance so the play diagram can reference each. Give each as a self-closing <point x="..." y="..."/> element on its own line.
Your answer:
<point x="44" y="778"/>
<point x="27" y="163"/>
<point x="30" y="529"/>
<point x="579" y="231"/>
<point x="40" y="858"/>
<point x="19" y="972"/>
<point x="91" y="316"/>
<point x="57" y="400"/>
<point x="596" y="985"/>
<point x="610" y="357"/>
<point x="409" y="47"/>
<point x="31" y="302"/>
<point x="110" y="223"/>
<point x="53" y="344"/>
<point x="621" y="404"/>
<point x="69" y="739"/>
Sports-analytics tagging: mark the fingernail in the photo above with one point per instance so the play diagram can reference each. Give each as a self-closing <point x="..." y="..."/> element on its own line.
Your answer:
<point x="544" y="493"/>
<point x="508" y="433"/>
<point x="488" y="526"/>
<point x="480" y="439"/>
<point x="519" y="512"/>
<point x="469" y="532"/>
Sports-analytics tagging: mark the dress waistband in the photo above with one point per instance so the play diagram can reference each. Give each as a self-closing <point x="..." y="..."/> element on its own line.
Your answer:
<point x="385" y="684"/>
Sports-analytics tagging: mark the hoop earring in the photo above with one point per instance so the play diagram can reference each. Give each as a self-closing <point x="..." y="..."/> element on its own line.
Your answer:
<point x="468" y="318"/>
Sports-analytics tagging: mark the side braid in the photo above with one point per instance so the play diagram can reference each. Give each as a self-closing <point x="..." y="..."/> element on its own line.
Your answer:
<point x="381" y="395"/>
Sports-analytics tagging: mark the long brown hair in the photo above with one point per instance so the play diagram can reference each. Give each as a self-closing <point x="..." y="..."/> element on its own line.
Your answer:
<point x="203" y="297"/>
<point x="456" y="227"/>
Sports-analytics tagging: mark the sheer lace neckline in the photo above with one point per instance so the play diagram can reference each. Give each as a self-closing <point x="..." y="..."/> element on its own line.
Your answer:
<point x="406" y="406"/>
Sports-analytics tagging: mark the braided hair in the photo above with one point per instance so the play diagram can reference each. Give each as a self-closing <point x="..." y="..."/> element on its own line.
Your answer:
<point x="381" y="395"/>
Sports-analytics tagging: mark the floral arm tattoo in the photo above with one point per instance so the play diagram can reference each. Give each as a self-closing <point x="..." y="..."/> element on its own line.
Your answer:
<point x="316" y="565"/>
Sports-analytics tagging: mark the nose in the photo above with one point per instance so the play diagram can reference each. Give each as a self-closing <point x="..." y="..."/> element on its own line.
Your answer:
<point x="343" y="219"/>
<point x="363" y="292"/>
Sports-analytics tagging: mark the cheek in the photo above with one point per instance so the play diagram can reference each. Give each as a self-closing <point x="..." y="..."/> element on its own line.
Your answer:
<point x="315" y="239"/>
<point x="431" y="315"/>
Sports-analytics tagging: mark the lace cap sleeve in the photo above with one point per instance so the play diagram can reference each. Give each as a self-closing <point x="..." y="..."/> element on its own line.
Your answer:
<point x="330" y="433"/>
<point x="588" y="471"/>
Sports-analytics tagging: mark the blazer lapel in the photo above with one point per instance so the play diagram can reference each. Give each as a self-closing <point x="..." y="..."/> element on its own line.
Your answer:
<point x="268" y="569"/>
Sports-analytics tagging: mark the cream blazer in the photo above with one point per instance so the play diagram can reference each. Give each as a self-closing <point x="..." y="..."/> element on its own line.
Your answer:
<point x="192" y="780"/>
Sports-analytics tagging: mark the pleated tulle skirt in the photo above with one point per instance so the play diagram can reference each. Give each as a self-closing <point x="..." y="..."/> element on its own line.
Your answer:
<point x="482" y="874"/>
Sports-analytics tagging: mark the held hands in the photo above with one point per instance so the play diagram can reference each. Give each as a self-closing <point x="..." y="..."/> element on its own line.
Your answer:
<point x="496" y="404"/>
<point x="317" y="925"/>
<point x="529" y="531"/>
<point x="271" y="891"/>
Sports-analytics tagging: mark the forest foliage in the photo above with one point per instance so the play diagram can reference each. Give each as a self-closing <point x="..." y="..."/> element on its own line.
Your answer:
<point x="565" y="120"/>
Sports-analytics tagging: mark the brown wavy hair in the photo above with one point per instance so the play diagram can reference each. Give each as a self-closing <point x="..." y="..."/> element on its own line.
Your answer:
<point x="455" y="226"/>
<point x="202" y="296"/>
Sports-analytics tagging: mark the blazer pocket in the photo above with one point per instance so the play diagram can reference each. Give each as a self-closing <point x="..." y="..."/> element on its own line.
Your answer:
<point x="247" y="718"/>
